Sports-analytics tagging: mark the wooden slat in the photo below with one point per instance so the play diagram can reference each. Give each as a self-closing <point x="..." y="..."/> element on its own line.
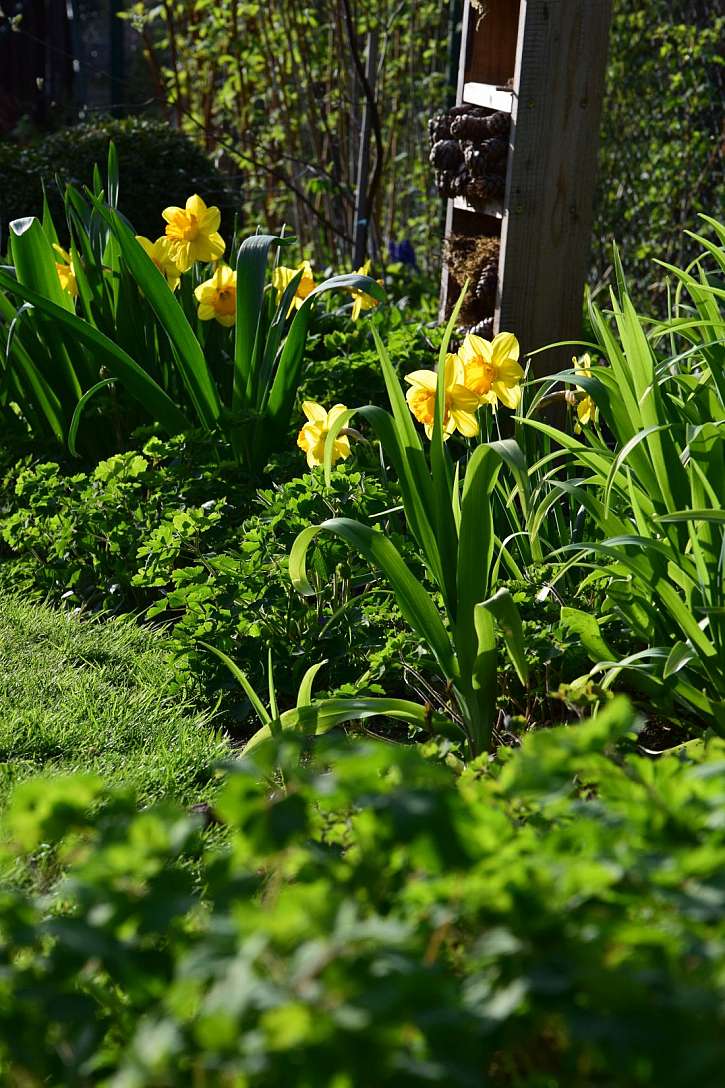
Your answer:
<point x="488" y="95"/>
<point x="493" y="208"/>
<point x="559" y="80"/>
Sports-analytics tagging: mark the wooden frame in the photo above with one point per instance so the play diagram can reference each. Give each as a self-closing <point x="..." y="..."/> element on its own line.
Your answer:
<point x="553" y="55"/>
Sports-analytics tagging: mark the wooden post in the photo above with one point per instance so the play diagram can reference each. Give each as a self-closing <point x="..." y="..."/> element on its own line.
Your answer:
<point x="545" y="235"/>
<point x="362" y="211"/>
<point x="544" y="61"/>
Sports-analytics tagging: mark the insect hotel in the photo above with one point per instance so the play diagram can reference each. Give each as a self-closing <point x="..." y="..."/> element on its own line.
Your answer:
<point x="515" y="159"/>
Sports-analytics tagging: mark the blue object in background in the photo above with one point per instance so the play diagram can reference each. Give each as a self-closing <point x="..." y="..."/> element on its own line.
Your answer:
<point x="403" y="252"/>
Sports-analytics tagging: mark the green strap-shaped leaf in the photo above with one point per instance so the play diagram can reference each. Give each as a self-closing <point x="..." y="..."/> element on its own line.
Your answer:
<point x="319" y="717"/>
<point x="34" y="259"/>
<point x="415" y="604"/>
<point x="389" y="436"/>
<point x="304" y="692"/>
<point x="502" y="607"/>
<point x="189" y="357"/>
<point x="139" y="385"/>
<point x="79" y="409"/>
<point x="259" y="707"/>
<point x="475" y="549"/>
<point x="25" y="375"/>
<point x="251" y="268"/>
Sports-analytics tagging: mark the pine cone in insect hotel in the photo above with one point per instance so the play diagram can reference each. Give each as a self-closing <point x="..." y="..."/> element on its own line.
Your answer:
<point x="486" y="286"/>
<point x="446" y="155"/>
<point x="483" y="328"/>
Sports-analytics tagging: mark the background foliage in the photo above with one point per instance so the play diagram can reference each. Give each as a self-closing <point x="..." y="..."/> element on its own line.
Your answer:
<point x="660" y="159"/>
<point x="289" y="117"/>
<point x="284" y="127"/>
<point x="159" y="166"/>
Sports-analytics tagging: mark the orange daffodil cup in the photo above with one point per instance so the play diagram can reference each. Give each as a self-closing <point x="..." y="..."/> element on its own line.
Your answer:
<point x="492" y="368"/>
<point x="483" y="372"/>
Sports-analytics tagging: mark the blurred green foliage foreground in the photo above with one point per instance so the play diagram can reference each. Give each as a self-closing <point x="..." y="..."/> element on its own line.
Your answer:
<point x="372" y="915"/>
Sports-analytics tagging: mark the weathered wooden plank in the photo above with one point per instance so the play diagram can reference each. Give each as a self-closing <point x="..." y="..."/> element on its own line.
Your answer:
<point x="492" y="53"/>
<point x="559" y="81"/>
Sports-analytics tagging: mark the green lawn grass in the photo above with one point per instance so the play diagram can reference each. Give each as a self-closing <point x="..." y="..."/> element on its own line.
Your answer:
<point x="79" y="694"/>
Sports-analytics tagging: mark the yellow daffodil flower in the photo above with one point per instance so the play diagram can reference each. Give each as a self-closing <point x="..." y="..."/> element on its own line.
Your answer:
<point x="492" y="368"/>
<point x="361" y="301"/>
<point x="66" y="272"/>
<point x="586" y="408"/>
<point x="461" y="403"/>
<point x="312" y="437"/>
<point x="282" y="277"/>
<point x="217" y="297"/>
<point x="160" y="253"/>
<point x="194" y="233"/>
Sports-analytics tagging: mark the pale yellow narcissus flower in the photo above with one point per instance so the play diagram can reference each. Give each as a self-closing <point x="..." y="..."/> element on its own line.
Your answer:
<point x="193" y="232"/>
<point x="492" y="368"/>
<point x="282" y="277"/>
<point x="361" y="301"/>
<point x="160" y="253"/>
<point x="217" y="297"/>
<point x="460" y="405"/>
<point x="65" y="270"/>
<point x="586" y="408"/>
<point x="312" y="437"/>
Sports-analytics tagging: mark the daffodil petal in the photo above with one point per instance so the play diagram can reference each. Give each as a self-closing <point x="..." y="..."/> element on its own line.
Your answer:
<point x="509" y="395"/>
<point x="314" y="412"/>
<point x="424" y="379"/>
<point x="335" y="411"/>
<point x="509" y="371"/>
<point x="504" y="346"/>
<point x="466" y="423"/>
<point x="474" y="347"/>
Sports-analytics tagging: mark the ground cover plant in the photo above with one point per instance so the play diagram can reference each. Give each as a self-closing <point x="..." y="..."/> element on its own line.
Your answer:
<point x="379" y="918"/>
